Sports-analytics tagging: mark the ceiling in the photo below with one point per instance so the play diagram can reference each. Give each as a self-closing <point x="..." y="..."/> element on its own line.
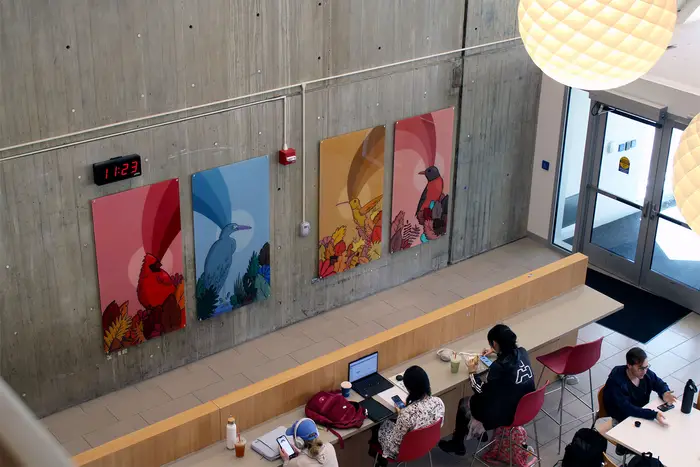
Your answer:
<point x="679" y="67"/>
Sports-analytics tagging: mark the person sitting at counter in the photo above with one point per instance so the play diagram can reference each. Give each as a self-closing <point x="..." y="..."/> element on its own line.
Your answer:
<point x="314" y="452"/>
<point x="628" y="390"/>
<point x="494" y="402"/>
<point x="422" y="410"/>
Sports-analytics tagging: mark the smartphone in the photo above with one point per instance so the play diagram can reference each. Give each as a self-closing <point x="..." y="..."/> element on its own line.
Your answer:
<point x="286" y="447"/>
<point x="665" y="407"/>
<point x="486" y="360"/>
<point x="399" y="403"/>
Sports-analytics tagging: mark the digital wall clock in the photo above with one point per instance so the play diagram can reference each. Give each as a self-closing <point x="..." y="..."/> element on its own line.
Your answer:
<point x="116" y="169"/>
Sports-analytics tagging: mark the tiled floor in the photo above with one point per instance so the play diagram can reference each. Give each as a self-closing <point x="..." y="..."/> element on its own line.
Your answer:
<point x="113" y="415"/>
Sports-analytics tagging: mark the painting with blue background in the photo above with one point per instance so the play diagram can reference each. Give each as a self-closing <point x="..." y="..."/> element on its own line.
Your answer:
<point x="231" y="207"/>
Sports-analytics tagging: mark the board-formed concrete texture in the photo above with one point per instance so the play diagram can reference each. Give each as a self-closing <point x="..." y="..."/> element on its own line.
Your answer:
<point x="73" y="66"/>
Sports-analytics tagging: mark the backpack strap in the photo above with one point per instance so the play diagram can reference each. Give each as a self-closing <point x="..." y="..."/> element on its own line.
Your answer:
<point x="341" y="442"/>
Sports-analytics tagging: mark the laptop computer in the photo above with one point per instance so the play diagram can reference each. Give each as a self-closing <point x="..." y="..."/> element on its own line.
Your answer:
<point x="376" y="411"/>
<point x="362" y="373"/>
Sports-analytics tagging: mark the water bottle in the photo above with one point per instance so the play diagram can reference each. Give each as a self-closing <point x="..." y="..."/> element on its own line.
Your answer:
<point x="688" y="396"/>
<point x="231" y="433"/>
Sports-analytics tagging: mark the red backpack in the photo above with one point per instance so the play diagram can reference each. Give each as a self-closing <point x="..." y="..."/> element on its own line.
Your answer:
<point x="332" y="410"/>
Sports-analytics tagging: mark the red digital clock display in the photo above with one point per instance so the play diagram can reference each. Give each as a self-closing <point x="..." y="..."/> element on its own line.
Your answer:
<point x="116" y="169"/>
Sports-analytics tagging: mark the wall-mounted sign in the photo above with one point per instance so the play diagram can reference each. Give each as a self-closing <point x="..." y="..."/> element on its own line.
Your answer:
<point x="624" y="165"/>
<point x="116" y="169"/>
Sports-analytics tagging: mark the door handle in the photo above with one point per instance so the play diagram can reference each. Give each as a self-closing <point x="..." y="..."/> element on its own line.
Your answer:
<point x="645" y="209"/>
<point x="654" y="212"/>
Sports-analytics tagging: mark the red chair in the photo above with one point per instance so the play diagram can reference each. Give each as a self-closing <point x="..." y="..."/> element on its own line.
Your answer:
<point x="528" y="408"/>
<point x="416" y="444"/>
<point x="569" y="361"/>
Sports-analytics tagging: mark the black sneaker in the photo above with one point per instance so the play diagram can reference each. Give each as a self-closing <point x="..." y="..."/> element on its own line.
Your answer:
<point x="452" y="447"/>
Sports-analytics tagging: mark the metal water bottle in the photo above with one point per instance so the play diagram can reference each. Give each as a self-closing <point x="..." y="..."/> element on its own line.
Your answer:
<point x="688" y="396"/>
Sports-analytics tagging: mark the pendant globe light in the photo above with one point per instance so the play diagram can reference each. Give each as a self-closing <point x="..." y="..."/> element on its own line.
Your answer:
<point x="596" y="44"/>
<point x="686" y="175"/>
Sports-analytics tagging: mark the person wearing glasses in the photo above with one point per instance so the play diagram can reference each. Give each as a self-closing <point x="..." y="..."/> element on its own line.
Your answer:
<point x="628" y="389"/>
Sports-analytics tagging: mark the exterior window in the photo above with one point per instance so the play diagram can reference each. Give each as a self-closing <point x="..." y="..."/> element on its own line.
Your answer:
<point x="571" y="167"/>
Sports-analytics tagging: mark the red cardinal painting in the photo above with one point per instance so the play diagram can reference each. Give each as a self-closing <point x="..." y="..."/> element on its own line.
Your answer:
<point x="155" y="285"/>
<point x="139" y="264"/>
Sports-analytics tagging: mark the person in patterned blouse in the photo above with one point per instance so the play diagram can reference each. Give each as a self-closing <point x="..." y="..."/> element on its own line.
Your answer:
<point x="422" y="409"/>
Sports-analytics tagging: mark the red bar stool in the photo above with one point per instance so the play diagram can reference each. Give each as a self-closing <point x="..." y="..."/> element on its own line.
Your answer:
<point x="416" y="444"/>
<point x="528" y="408"/>
<point x="569" y="361"/>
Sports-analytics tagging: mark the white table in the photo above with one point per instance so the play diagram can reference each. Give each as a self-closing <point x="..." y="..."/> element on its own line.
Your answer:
<point x="676" y="445"/>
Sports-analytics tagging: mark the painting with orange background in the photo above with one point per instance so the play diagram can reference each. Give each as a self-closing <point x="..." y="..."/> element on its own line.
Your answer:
<point x="351" y="191"/>
<point x="422" y="175"/>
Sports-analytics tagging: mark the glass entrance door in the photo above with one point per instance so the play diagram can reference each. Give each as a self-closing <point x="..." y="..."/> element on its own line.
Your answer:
<point x="625" y="149"/>
<point x="631" y="226"/>
<point x="671" y="264"/>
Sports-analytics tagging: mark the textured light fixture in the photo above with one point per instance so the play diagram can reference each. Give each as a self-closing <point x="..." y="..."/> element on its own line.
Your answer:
<point x="686" y="175"/>
<point x="596" y="44"/>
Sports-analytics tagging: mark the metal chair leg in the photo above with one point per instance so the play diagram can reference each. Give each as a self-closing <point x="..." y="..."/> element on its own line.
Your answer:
<point x="561" y="410"/>
<point x="590" y="384"/>
<point x="376" y="456"/>
<point x="510" y="447"/>
<point x="539" y="380"/>
<point x="537" y="443"/>
<point x="430" y="456"/>
<point x="476" y="453"/>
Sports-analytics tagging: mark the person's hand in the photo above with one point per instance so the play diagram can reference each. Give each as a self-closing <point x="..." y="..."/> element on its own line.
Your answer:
<point x="284" y="455"/>
<point x="661" y="419"/>
<point x="397" y="409"/>
<point x="486" y="352"/>
<point x="669" y="397"/>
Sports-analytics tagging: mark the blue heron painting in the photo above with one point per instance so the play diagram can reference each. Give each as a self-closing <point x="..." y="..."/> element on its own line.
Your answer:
<point x="231" y="207"/>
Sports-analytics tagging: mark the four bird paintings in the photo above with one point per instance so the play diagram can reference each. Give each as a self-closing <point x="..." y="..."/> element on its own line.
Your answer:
<point x="351" y="188"/>
<point x="139" y="264"/>
<point x="231" y="207"/>
<point x="422" y="174"/>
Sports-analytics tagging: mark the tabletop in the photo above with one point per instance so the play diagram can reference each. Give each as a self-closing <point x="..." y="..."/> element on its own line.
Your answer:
<point x="675" y="445"/>
<point x="535" y="327"/>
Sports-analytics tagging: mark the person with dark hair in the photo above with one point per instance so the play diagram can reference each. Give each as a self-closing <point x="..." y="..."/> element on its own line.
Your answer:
<point x="629" y="387"/>
<point x="494" y="402"/>
<point x="422" y="410"/>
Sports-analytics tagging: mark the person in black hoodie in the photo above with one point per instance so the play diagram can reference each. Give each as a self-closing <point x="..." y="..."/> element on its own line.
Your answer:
<point x="494" y="402"/>
<point x="629" y="387"/>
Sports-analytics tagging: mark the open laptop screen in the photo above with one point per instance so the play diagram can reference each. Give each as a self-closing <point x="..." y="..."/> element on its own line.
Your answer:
<point x="362" y="367"/>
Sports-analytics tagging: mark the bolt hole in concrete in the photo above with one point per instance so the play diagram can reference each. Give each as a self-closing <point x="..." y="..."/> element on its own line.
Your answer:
<point x="191" y="26"/>
<point x="68" y="47"/>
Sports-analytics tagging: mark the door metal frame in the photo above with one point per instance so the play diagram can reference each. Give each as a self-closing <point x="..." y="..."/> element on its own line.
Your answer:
<point x="599" y="256"/>
<point x="638" y="273"/>
<point x="651" y="280"/>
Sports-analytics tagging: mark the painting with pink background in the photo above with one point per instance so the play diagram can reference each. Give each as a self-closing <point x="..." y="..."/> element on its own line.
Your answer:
<point x="139" y="263"/>
<point x="422" y="174"/>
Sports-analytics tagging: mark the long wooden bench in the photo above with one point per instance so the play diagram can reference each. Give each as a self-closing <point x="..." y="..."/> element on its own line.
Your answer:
<point x="253" y="405"/>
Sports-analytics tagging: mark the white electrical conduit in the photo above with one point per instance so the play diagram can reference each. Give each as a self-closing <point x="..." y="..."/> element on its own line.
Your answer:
<point x="303" y="153"/>
<point x="149" y="127"/>
<point x="24" y="436"/>
<point x="220" y="102"/>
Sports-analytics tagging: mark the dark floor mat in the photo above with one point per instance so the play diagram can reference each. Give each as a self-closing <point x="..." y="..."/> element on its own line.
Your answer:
<point x="644" y="316"/>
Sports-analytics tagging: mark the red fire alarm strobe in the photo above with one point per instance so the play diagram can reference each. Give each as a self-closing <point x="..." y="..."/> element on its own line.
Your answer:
<point x="288" y="156"/>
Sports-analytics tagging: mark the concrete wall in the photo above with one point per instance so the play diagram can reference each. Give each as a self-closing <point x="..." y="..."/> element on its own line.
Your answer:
<point x="74" y="65"/>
